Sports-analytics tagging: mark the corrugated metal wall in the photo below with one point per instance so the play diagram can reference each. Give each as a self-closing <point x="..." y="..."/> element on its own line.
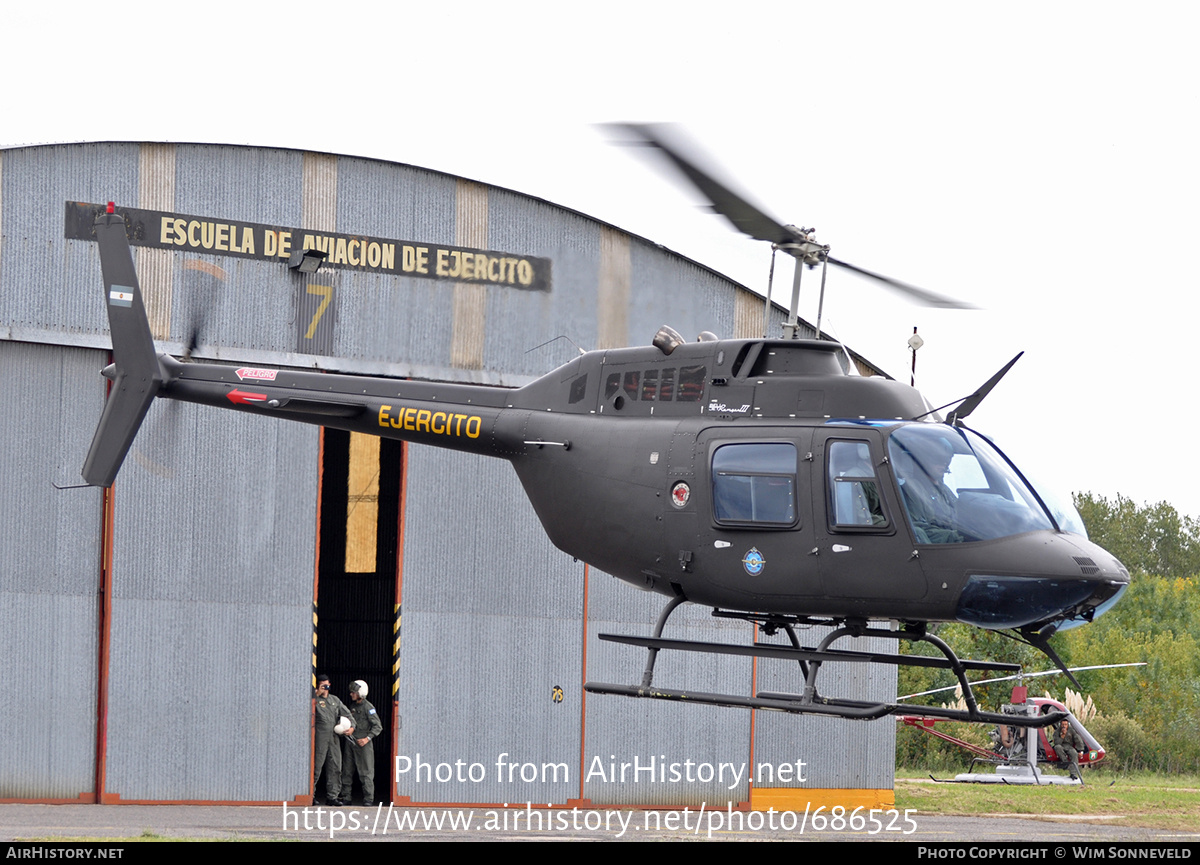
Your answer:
<point x="49" y="284"/>
<point x="492" y="623"/>
<point x="49" y="572"/>
<point x="213" y="561"/>
<point x="214" y="527"/>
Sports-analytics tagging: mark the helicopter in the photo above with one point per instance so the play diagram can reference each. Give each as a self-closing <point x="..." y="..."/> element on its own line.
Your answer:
<point x="1017" y="757"/>
<point x="754" y="476"/>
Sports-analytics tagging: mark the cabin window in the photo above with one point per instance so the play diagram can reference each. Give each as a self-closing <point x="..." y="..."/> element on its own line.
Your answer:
<point x="578" y="389"/>
<point x="631" y="384"/>
<point x="854" y="500"/>
<point x="612" y="385"/>
<point x="691" y="384"/>
<point x="649" y="384"/>
<point x="666" y="390"/>
<point x="755" y="483"/>
<point x="657" y="385"/>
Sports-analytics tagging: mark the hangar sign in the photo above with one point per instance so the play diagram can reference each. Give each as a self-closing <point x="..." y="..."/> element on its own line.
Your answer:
<point x="213" y="236"/>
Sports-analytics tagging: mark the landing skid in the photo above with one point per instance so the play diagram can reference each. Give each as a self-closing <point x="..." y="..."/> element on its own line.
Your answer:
<point x="1019" y="774"/>
<point x="811" y="702"/>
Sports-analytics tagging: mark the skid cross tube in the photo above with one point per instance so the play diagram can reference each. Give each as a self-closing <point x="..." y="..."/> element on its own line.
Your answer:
<point x="957" y="666"/>
<point x="810" y="660"/>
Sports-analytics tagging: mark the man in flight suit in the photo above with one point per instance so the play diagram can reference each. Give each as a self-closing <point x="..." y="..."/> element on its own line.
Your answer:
<point x="931" y="505"/>
<point x="328" y="712"/>
<point x="358" y="751"/>
<point x="1067" y="745"/>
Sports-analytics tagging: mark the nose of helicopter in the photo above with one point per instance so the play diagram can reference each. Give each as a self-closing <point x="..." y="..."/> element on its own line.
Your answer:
<point x="1000" y="602"/>
<point x="1039" y="580"/>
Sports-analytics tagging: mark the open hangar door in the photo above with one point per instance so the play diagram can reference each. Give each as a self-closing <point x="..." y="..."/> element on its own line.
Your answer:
<point x="357" y="617"/>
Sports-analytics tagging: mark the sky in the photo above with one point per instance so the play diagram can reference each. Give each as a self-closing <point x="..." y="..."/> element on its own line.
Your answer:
<point x="1037" y="160"/>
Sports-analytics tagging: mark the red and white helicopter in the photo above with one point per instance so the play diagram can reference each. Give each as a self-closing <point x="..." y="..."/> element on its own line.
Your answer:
<point x="1017" y="754"/>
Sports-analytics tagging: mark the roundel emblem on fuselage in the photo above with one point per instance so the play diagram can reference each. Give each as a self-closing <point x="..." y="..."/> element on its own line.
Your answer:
<point x="680" y="493"/>
<point x="754" y="562"/>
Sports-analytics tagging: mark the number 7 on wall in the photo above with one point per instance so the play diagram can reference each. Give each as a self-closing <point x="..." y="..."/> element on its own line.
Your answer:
<point x="325" y="292"/>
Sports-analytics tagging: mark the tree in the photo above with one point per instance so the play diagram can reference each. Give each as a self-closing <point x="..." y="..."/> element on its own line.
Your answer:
<point x="1151" y="539"/>
<point x="1158" y="621"/>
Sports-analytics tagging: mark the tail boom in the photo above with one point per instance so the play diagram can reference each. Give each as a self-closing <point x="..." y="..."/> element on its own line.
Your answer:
<point x="462" y="417"/>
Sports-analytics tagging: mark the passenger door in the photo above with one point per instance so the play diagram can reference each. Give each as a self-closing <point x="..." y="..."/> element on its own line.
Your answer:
<point x="753" y="520"/>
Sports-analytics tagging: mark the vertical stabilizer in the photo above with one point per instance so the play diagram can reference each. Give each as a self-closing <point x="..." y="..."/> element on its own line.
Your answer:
<point x="138" y="376"/>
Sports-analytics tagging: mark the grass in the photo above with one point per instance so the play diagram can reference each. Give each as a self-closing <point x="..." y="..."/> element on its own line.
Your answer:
<point x="1152" y="801"/>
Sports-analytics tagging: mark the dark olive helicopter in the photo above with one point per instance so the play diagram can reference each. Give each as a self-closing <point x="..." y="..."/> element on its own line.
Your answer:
<point x="754" y="476"/>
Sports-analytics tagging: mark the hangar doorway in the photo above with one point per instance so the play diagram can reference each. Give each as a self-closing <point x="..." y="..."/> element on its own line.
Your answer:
<point x="357" y="562"/>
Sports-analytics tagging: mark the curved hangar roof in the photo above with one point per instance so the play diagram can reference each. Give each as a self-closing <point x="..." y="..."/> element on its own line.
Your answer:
<point x="427" y="275"/>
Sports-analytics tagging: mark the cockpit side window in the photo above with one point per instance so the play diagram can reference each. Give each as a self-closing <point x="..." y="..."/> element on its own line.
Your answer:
<point x="854" y="499"/>
<point x="755" y="484"/>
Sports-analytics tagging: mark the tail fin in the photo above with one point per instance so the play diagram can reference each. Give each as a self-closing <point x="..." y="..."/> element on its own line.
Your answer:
<point x="138" y="376"/>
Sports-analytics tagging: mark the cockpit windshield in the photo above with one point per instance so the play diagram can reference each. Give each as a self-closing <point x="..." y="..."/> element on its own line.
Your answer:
<point x="957" y="487"/>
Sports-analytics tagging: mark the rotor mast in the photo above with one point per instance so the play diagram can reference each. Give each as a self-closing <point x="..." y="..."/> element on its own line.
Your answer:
<point x="807" y="253"/>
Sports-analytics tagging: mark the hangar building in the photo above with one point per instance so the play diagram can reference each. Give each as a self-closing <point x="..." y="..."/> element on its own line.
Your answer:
<point x="160" y="639"/>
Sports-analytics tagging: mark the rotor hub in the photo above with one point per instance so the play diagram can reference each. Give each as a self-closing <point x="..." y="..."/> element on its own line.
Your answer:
<point x="804" y="248"/>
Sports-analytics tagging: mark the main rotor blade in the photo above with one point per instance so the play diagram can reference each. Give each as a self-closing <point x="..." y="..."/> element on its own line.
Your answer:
<point x="920" y="295"/>
<point x="746" y="217"/>
<point x="1021" y="676"/>
<point x="757" y="223"/>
